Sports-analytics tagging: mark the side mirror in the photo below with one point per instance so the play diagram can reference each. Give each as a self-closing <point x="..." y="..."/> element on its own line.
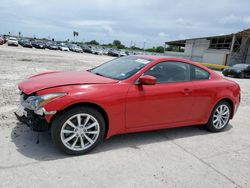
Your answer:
<point x="147" y="80"/>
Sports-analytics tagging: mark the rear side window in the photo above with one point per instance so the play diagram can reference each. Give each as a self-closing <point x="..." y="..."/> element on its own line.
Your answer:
<point x="170" y="72"/>
<point x="199" y="73"/>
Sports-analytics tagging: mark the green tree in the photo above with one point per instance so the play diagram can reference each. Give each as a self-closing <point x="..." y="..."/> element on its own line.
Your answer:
<point x="159" y="49"/>
<point x="116" y="43"/>
<point x="150" y="49"/>
<point x="92" y="42"/>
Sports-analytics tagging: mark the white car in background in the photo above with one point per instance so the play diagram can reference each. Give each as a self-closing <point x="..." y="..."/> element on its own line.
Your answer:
<point x="97" y="51"/>
<point x="75" y="48"/>
<point x="63" y="47"/>
<point x="122" y="53"/>
<point x="106" y="51"/>
<point x="12" y="41"/>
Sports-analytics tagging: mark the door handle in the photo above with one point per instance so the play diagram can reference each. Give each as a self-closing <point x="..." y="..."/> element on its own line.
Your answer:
<point x="187" y="91"/>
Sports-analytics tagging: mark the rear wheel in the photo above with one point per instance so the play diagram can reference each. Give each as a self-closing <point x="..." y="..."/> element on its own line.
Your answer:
<point x="78" y="130"/>
<point x="242" y="75"/>
<point x="220" y="117"/>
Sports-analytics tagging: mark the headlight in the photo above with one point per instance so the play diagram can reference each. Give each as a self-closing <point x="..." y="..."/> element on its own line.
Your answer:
<point x="36" y="102"/>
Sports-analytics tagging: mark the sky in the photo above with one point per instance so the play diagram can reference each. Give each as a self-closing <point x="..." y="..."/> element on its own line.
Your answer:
<point x="137" y="22"/>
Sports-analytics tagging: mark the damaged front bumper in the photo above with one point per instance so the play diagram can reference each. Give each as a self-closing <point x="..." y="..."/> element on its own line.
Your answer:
<point x="32" y="112"/>
<point x="35" y="122"/>
<point x="35" y="119"/>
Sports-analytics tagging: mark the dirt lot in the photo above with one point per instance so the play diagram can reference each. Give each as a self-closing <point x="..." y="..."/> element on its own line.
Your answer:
<point x="182" y="157"/>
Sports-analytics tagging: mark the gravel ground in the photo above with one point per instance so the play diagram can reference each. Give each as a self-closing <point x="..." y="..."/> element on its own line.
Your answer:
<point x="182" y="157"/>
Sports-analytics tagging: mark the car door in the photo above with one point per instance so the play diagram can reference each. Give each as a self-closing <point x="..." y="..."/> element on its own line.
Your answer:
<point x="169" y="100"/>
<point x="203" y="91"/>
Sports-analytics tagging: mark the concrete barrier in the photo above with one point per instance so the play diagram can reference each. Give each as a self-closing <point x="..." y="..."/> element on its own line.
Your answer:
<point x="214" y="66"/>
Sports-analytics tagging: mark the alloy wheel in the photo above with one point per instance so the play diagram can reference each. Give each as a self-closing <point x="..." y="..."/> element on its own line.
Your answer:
<point x="221" y="116"/>
<point x="80" y="132"/>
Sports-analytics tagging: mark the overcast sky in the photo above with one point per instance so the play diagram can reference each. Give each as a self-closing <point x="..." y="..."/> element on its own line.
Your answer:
<point x="152" y="21"/>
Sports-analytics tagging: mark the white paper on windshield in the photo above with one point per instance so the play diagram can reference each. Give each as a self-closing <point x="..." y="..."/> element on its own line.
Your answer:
<point x="143" y="61"/>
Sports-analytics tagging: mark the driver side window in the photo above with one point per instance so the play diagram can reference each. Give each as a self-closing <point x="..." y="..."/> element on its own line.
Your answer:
<point x="170" y="72"/>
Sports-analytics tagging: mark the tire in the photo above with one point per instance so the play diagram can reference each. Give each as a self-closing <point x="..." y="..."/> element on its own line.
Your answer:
<point x="74" y="139"/>
<point x="222" y="120"/>
<point x="242" y="75"/>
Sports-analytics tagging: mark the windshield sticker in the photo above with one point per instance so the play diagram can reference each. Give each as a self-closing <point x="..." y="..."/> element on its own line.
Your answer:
<point x="143" y="61"/>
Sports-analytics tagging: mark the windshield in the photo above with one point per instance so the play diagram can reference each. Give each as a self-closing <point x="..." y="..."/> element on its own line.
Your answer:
<point x="241" y="66"/>
<point x="121" y="68"/>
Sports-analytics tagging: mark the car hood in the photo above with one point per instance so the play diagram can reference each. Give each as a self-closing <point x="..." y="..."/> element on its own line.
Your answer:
<point x="55" y="79"/>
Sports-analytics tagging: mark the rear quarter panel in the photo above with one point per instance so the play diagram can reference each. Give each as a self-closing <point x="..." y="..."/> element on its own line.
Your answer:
<point x="209" y="93"/>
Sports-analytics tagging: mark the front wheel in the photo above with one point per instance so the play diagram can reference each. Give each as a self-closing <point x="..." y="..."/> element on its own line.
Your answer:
<point x="220" y="117"/>
<point x="78" y="130"/>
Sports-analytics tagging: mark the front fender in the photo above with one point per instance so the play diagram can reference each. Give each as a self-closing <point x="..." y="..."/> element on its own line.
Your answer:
<point x="111" y="99"/>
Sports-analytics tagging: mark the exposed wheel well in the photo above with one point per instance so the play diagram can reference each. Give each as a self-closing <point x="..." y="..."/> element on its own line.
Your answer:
<point x="93" y="105"/>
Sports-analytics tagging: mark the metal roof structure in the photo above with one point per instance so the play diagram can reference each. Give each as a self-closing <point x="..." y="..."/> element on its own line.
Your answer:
<point x="236" y="45"/>
<point x="245" y="32"/>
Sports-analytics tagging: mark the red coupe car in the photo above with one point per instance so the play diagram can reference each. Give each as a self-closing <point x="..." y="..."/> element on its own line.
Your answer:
<point x="128" y="94"/>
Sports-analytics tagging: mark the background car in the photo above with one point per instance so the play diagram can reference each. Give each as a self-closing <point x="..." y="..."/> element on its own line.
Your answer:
<point x="38" y="44"/>
<point x="128" y="94"/>
<point x="113" y="52"/>
<point x="20" y="41"/>
<point x="75" y="48"/>
<point x="25" y="43"/>
<point x="87" y="49"/>
<point x="122" y="53"/>
<point x="238" y="70"/>
<point x="12" y="41"/>
<point x="105" y="51"/>
<point x="1" y="40"/>
<point x="97" y="51"/>
<point x="47" y="44"/>
<point x="63" y="47"/>
<point x="53" y="46"/>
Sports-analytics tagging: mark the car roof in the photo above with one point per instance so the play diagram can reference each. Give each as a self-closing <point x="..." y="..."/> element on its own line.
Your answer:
<point x="171" y="58"/>
<point x="161" y="58"/>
